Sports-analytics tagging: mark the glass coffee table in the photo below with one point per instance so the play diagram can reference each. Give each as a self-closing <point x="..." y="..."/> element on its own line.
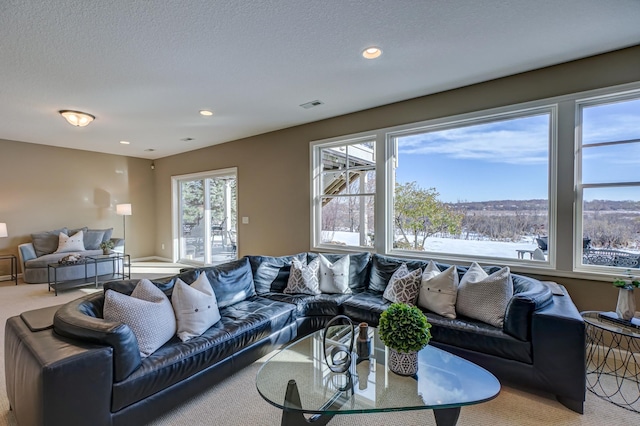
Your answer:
<point x="298" y="381"/>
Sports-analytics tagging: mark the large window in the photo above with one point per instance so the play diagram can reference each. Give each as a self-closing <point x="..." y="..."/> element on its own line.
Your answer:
<point x="475" y="188"/>
<point x="552" y="184"/>
<point x="344" y="193"/>
<point x="205" y="217"/>
<point x="609" y="181"/>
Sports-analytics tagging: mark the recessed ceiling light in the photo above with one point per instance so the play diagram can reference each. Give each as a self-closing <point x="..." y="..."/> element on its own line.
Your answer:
<point x="125" y="142"/>
<point x="371" y="52"/>
<point x="149" y="150"/>
<point x="206" y="112"/>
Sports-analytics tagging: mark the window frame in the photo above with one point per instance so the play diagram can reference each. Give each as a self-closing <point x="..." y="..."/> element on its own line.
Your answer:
<point x="316" y="148"/>
<point x="464" y="120"/>
<point x="601" y="97"/>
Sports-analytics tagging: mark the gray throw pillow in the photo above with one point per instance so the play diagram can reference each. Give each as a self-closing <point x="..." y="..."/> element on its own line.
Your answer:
<point x="147" y="312"/>
<point x="403" y="286"/>
<point x="303" y="278"/>
<point x="485" y="297"/>
<point x="46" y="242"/>
<point x="93" y="238"/>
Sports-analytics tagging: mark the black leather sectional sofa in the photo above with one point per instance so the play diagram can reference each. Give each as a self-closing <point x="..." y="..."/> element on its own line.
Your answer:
<point x="79" y="369"/>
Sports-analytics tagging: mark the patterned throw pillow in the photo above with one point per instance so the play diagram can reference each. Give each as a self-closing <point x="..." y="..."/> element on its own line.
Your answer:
<point x="195" y="306"/>
<point x="439" y="290"/>
<point x="403" y="286"/>
<point x="67" y="243"/>
<point x="303" y="278"/>
<point x="485" y="297"/>
<point x="334" y="277"/>
<point x="147" y="312"/>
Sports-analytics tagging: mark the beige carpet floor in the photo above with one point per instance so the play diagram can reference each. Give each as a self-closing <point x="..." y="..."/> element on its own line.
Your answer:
<point x="235" y="401"/>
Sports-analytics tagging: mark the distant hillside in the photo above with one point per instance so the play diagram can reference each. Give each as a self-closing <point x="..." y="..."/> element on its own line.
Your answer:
<point x="541" y="205"/>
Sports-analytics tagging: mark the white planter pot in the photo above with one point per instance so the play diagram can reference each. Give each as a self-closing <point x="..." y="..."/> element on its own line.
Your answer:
<point x="626" y="307"/>
<point x="404" y="364"/>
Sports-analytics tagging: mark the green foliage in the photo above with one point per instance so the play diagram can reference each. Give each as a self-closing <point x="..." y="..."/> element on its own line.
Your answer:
<point x="404" y="328"/>
<point x="628" y="283"/>
<point x="107" y="245"/>
<point x="419" y="212"/>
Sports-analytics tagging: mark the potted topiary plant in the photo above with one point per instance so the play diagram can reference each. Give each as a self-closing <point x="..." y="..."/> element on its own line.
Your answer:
<point x="404" y="330"/>
<point x="106" y="246"/>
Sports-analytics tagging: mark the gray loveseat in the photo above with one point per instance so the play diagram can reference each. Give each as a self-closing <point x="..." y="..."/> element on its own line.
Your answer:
<point x="36" y="255"/>
<point x="78" y="368"/>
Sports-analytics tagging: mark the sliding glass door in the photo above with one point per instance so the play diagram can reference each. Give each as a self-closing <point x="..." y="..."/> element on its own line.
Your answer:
<point x="205" y="217"/>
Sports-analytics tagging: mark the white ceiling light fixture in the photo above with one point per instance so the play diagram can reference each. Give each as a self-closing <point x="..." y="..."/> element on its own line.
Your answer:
<point x="125" y="142"/>
<point x="77" y="118"/>
<point x="206" y="112"/>
<point x="372" y="52"/>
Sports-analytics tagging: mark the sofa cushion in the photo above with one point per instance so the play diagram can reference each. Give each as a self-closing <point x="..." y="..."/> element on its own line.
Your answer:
<point x="365" y="307"/>
<point x="382" y="267"/>
<point x="403" y="286"/>
<point x="272" y="273"/>
<point x="334" y="276"/>
<point x="307" y="305"/>
<point x="147" y="312"/>
<point x="485" y="297"/>
<point x="439" y="290"/>
<point x="46" y="242"/>
<point x="464" y="332"/>
<point x="241" y="325"/>
<point x="195" y="307"/>
<point x="358" y="267"/>
<point x="70" y="243"/>
<point x="232" y="281"/>
<point x="529" y="296"/>
<point x="303" y="278"/>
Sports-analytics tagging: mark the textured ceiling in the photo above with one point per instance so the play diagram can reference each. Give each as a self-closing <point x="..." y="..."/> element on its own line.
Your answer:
<point x="145" y="68"/>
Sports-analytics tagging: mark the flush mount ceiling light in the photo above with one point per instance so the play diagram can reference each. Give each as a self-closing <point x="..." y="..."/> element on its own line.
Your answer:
<point x="206" y="112"/>
<point x="371" y="52"/>
<point x="77" y="118"/>
<point x="125" y="142"/>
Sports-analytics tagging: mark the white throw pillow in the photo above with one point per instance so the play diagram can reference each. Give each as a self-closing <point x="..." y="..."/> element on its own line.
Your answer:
<point x="485" y="297"/>
<point x="403" y="286"/>
<point x="195" y="306"/>
<point x="303" y="278"/>
<point x="148" y="312"/>
<point x="70" y="243"/>
<point x="334" y="277"/>
<point x="439" y="290"/>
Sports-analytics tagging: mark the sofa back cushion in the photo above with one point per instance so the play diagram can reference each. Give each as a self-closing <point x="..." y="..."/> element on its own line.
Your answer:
<point x="46" y="242"/>
<point x="358" y="267"/>
<point x="232" y="282"/>
<point x="529" y="296"/>
<point x="271" y="274"/>
<point x="383" y="267"/>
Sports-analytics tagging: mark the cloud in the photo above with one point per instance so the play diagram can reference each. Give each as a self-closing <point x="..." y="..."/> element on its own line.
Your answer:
<point x="522" y="141"/>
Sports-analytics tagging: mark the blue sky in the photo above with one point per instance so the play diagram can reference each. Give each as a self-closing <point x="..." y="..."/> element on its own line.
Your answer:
<point x="508" y="159"/>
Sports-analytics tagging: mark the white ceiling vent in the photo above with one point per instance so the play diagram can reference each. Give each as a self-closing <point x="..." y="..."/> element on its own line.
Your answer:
<point x="312" y="104"/>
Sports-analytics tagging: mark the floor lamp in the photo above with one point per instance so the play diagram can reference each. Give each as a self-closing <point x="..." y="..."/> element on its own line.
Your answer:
<point x="124" y="210"/>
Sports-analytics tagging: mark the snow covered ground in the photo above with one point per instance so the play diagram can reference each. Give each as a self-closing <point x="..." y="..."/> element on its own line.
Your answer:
<point x="507" y="250"/>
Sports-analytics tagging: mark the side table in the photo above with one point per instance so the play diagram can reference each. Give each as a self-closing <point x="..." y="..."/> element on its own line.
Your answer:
<point x="613" y="360"/>
<point x="14" y="266"/>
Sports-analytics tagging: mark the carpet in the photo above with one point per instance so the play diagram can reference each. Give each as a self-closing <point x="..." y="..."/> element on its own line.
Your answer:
<point x="236" y="402"/>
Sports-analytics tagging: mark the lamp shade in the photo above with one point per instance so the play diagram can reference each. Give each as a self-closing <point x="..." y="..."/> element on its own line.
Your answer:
<point x="3" y="230"/>
<point x="123" y="209"/>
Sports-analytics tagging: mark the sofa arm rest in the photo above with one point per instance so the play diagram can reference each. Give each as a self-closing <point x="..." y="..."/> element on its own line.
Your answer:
<point x="26" y="252"/>
<point x="81" y="319"/>
<point x="558" y="338"/>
